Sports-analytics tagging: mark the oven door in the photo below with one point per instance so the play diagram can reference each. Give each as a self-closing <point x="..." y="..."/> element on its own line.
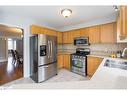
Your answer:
<point x="79" y="66"/>
<point x="77" y="63"/>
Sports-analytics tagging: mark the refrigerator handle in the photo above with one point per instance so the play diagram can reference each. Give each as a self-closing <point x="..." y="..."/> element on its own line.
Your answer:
<point x="48" y="49"/>
<point x="51" y="49"/>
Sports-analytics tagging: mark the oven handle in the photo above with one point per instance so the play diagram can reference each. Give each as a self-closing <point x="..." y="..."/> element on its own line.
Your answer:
<point x="77" y="66"/>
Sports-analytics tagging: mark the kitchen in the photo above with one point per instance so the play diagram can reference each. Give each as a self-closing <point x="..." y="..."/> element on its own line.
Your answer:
<point x="102" y="40"/>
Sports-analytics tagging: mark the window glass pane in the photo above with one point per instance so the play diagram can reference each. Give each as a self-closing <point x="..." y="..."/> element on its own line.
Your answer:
<point x="10" y="44"/>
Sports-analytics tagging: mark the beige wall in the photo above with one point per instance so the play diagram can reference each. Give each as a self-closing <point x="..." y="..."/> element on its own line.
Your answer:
<point x="3" y="52"/>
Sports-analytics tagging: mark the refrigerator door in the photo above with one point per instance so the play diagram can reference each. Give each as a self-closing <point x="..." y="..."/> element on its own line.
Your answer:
<point x="53" y="48"/>
<point x="47" y="71"/>
<point x="34" y="57"/>
<point x="50" y="43"/>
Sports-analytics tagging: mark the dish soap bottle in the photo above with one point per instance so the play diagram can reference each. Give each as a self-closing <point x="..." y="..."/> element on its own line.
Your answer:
<point x="119" y="54"/>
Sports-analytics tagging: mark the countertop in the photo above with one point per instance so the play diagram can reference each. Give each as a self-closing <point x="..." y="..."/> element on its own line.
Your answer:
<point x="106" y="56"/>
<point x="92" y="55"/>
<point x="104" y="78"/>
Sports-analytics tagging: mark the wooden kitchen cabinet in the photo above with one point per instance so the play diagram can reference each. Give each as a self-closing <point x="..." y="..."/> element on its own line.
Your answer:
<point x="66" y="61"/>
<point x="35" y="29"/>
<point x="76" y="33"/>
<point x="63" y="61"/>
<point x="94" y="34"/>
<point x="65" y="37"/>
<point x="59" y="38"/>
<point x="123" y="22"/>
<point x="92" y="64"/>
<point x="84" y="32"/>
<point x="70" y="37"/>
<point x="108" y="33"/>
<point x="49" y="32"/>
<point x="60" y="61"/>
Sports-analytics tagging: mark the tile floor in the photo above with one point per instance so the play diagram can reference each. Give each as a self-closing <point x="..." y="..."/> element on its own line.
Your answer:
<point x="63" y="76"/>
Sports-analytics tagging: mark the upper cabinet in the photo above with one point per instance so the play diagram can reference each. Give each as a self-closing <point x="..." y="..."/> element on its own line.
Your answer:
<point x="76" y="33"/>
<point x="105" y="33"/>
<point x="94" y="34"/>
<point x="84" y="32"/>
<point x="122" y="23"/>
<point x="108" y="33"/>
<point x="68" y="36"/>
<point x="65" y="38"/>
<point x="35" y="29"/>
<point x="59" y="38"/>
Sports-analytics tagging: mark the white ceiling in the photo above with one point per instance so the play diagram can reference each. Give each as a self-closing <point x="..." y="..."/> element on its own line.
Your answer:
<point x="51" y="14"/>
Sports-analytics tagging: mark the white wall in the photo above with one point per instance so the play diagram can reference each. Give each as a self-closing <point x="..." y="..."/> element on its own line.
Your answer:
<point x="22" y="22"/>
<point x="108" y="19"/>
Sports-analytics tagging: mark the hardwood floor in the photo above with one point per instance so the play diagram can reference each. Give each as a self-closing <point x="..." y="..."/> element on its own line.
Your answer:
<point x="10" y="72"/>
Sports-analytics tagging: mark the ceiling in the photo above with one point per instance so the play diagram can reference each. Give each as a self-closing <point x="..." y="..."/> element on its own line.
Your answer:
<point x="51" y="14"/>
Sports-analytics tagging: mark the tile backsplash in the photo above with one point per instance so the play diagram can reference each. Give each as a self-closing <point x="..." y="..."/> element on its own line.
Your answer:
<point x="100" y="49"/>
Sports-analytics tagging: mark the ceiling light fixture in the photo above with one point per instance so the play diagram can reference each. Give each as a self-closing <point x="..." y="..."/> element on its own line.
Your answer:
<point x="115" y="8"/>
<point x="66" y="13"/>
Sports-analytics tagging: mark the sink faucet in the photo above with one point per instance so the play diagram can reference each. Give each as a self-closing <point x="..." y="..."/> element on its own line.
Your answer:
<point x="124" y="54"/>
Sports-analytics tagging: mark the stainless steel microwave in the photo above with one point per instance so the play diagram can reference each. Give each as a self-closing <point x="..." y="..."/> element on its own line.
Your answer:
<point x="81" y="41"/>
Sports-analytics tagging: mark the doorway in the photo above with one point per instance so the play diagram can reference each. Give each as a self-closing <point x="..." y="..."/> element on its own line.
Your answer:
<point x="11" y="54"/>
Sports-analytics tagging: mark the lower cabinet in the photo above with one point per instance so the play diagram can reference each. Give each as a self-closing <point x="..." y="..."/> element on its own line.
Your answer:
<point x="60" y="61"/>
<point x="63" y="61"/>
<point x="66" y="61"/>
<point x="92" y="64"/>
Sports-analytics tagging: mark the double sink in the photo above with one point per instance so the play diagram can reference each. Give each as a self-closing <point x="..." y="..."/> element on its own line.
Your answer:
<point x="116" y="64"/>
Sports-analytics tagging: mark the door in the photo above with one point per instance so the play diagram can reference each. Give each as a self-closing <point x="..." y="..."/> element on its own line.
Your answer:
<point x="50" y="43"/>
<point x="60" y="61"/>
<point x="94" y="34"/>
<point x="66" y="60"/>
<point x="33" y="57"/>
<point x="53" y="48"/>
<point x="108" y="33"/>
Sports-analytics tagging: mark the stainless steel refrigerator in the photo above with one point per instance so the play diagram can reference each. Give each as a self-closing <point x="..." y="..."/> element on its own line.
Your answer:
<point x="43" y="57"/>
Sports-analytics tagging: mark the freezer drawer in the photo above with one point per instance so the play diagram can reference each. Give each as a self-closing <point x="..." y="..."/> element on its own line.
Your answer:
<point x="46" y="72"/>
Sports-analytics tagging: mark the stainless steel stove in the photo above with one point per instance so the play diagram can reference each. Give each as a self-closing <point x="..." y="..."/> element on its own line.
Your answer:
<point x="79" y="61"/>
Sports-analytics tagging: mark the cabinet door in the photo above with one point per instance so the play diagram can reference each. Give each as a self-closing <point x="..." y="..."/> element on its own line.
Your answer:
<point x="84" y="32"/>
<point x="60" y="61"/>
<point x="35" y="29"/>
<point x="123" y="21"/>
<point x="54" y="33"/>
<point x="92" y="65"/>
<point x="59" y="37"/>
<point x="66" y="60"/>
<point x="76" y="33"/>
<point x="94" y="34"/>
<point x="65" y="38"/>
<point x="108" y="33"/>
<point x="70" y="37"/>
